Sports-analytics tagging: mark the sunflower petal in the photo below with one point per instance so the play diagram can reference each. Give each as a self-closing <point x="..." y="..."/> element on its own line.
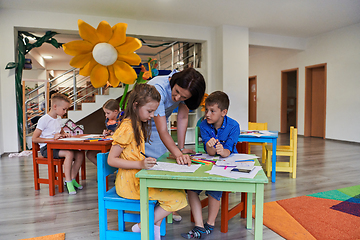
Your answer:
<point x="119" y="34"/>
<point x="77" y="47"/>
<point x="124" y="72"/>
<point x="112" y="78"/>
<point x="104" y="31"/>
<point x="86" y="70"/>
<point x="131" y="44"/>
<point x="87" y="32"/>
<point x="99" y="76"/>
<point x="131" y="58"/>
<point x="79" y="61"/>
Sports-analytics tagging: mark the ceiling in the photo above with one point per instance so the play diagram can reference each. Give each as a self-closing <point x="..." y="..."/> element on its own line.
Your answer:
<point x="296" y="18"/>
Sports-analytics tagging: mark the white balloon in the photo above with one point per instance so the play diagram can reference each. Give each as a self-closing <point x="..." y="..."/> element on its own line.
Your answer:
<point x="105" y="54"/>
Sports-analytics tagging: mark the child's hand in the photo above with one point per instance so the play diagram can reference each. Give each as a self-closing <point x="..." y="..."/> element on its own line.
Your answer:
<point x="57" y="136"/>
<point x="66" y="135"/>
<point x="105" y="132"/>
<point x="149" y="162"/>
<point x="221" y="151"/>
<point x="212" y="142"/>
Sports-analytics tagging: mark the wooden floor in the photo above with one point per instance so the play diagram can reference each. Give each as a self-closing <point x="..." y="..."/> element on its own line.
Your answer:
<point x="322" y="165"/>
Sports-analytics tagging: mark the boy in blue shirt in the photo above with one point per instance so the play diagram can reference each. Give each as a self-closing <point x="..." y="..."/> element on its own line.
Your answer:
<point x="220" y="134"/>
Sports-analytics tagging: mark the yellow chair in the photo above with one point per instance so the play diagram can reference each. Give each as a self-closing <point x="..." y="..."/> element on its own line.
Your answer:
<point x="281" y="150"/>
<point x="258" y="126"/>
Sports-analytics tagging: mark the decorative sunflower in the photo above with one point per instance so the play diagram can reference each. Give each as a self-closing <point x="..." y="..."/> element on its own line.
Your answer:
<point x="202" y="104"/>
<point x="105" y="54"/>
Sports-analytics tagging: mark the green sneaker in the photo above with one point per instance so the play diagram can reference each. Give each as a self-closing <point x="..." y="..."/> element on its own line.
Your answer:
<point x="76" y="185"/>
<point x="70" y="188"/>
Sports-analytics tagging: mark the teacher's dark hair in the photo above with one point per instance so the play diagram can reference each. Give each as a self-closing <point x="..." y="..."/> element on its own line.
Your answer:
<point x="194" y="82"/>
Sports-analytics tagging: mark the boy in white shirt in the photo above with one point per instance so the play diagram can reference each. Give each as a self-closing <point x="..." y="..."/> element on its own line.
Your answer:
<point x="49" y="127"/>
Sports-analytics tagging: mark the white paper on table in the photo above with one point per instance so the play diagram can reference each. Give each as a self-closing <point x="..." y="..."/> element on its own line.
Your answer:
<point x="71" y="139"/>
<point x="237" y="159"/>
<point x="206" y="156"/>
<point x="174" y="167"/>
<point x="221" y="171"/>
<point x="93" y="136"/>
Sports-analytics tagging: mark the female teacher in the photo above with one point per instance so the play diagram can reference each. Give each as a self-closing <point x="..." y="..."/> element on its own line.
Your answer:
<point x="185" y="90"/>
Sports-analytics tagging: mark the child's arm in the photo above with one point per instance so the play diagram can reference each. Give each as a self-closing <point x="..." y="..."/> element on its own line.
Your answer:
<point x="210" y="146"/>
<point x="223" y="152"/>
<point x="37" y="139"/>
<point x="115" y="161"/>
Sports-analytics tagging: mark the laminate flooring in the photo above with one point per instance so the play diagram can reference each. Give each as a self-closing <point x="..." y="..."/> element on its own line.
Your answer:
<point x="322" y="165"/>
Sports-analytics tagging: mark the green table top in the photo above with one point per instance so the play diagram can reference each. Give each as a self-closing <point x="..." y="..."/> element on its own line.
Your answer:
<point x="198" y="175"/>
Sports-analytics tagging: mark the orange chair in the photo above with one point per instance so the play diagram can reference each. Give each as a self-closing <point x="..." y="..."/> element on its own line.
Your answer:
<point x="258" y="126"/>
<point x="290" y="151"/>
<point x="226" y="214"/>
<point x="59" y="173"/>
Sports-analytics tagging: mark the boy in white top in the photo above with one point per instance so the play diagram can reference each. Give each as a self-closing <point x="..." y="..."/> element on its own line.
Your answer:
<point x="49" y="127"/>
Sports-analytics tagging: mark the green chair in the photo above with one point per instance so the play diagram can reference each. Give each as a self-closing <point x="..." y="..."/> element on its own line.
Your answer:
<point x="199" y="145"/>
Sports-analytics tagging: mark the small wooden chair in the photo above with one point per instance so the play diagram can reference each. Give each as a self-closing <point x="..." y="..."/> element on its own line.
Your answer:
<point x="226" y="214"/>
<point x="108" y="199"/>
<point x="258" y="126"/>
<point x="58" y="169"/>
<point x="282" y="150"/>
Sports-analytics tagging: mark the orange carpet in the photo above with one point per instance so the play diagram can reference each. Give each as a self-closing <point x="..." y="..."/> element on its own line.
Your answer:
<point x="327" y="215"/>
<point x="59" y="236"/>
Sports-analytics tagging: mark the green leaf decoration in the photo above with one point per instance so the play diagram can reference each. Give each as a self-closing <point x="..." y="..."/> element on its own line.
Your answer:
<point x="11" y="65"/>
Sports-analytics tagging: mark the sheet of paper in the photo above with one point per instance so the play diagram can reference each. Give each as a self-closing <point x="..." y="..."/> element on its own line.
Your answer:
<point x="221" y="171"/>
<point x="174" y="167"/>
<point x="72" y="139"/>
<point x="92" y="136"/>
<point x="204" y="156"/>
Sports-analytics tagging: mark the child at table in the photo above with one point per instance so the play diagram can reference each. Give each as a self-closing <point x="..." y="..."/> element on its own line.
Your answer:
<point x="219" y="134"/>
<point x="112" y="114"/>
<point x="49" y="127"/>
<point x="126" y="154"/>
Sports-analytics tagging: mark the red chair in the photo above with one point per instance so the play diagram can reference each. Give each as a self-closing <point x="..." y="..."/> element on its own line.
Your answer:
<point x="58" y="169"/>
<point x="226" y="214"/>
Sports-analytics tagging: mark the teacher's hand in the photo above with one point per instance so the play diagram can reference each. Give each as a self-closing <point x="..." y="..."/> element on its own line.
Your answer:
<point x="186" y="150"/>
<point x="183" y="160"/>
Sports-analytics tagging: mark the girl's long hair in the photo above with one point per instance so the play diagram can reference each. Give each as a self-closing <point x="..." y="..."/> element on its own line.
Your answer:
<point x="139" y="96"/>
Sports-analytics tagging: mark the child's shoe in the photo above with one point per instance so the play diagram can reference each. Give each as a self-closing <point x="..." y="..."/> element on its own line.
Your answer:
<point x="76" y="185"/>
<point x="196" y="233"/>
<point x="70" y="188"/>
<point x="209" y="228"/>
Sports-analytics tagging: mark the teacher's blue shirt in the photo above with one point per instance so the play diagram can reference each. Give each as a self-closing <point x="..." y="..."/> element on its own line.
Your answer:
<point x="227" y="134"/>
<point x="155" y="148"/>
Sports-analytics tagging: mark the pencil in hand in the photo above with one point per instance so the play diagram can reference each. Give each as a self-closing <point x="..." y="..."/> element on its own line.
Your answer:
<point x="146" y="156"/>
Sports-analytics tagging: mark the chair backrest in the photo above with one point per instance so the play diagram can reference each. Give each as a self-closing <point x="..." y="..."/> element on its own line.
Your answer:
<point x="293" y="138"/>
<point x="103" y="170"/>
<point x="257" y="126"/>
<point x="197" y="136"/>
<point x="35" y="150"/>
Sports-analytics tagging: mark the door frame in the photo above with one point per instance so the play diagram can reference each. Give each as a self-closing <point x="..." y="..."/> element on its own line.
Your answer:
<point x="308" y="98"/>
<point x="251" y="77"/>
<point x="283" y="98"/>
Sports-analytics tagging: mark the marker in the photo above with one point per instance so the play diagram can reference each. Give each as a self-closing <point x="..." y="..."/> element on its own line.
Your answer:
<point x="244" y="161"/>
<point x="146" y="156"/>
<point x="197" y="154"/>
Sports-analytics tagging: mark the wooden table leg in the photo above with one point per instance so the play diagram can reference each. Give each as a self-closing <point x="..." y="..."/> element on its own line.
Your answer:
<point x="51" y="173"/>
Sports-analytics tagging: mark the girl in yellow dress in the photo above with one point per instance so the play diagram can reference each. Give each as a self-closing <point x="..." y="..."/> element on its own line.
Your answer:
<point x="125" y="154"/>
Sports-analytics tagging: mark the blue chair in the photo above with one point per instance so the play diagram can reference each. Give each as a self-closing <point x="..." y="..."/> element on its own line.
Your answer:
<point x="110" y="200"/>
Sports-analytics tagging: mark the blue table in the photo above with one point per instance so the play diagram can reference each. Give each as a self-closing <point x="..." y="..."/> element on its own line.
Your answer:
<point x="243" y="137"/>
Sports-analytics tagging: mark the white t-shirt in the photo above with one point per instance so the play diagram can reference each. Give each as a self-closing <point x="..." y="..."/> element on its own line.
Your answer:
<point x="49" y="126"/>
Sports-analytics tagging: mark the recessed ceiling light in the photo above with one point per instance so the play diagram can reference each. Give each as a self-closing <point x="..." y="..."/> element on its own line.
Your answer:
<point x="47" y="57"/>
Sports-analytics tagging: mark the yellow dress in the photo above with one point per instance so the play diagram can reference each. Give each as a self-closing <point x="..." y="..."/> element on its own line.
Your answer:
<point x="128" y="186"/>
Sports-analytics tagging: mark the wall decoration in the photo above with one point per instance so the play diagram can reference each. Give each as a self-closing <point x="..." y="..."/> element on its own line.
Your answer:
<point x="105" y="54"/>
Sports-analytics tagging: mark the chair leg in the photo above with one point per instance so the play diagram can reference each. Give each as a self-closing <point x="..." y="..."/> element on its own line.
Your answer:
<point x="121" y="220"/>
<point x="263" y="153"/>
<point x="36" y="175"/>
<point x="244" y="200"/>
<point x="249" y="150"/>
<point x="268" y="163"/>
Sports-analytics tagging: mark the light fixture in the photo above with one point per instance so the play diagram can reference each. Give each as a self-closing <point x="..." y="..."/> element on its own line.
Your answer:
<point x="47" y="57"/>
<point x="181" y="63"/>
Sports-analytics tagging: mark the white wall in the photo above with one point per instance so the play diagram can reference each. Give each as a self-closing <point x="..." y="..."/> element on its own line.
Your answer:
<point x="9" y="19"/>
<point x="340" y="49"/>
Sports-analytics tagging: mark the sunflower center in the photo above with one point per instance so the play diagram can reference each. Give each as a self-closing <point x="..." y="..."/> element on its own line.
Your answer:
<point x="104" y="53"/>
